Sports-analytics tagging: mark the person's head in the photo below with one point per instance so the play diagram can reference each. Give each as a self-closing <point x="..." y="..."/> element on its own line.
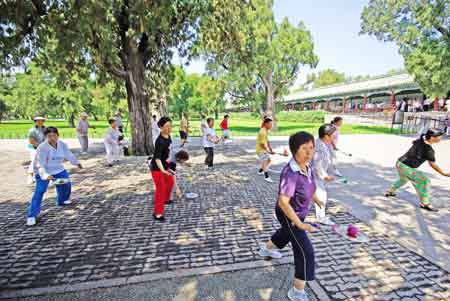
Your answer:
<point x="267" y="123"/>
<point x="226" y="116"/>
<point x="52" y="135"/>
<point x="39" y="121"/>
<point x="337" y="121"/>
<point x="112" y="122"/>
<point x="154" y="117"/>
<point x="301" y="145"/>
<point x="165" y="124"/>
<point x="433" y="136"/>
<point x="84" y="116"/>
<point x="326" y="132"/>
<point x="181" y="156"/>
<point x="210" y="122"/>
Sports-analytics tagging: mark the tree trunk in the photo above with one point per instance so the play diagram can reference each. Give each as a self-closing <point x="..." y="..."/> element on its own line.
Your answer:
<point x="138" y="107"/>
<point x="270" y="109"/>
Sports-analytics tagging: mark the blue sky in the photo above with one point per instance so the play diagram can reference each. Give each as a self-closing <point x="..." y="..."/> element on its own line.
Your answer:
<point x="335" y="25"/>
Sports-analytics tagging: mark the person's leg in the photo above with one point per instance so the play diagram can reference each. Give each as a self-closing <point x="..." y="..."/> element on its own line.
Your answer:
<point x="422" y="185"/>
<point x="80" y="140"/>
<point x="212" y="157"/>
<point x="85" y="143"/>
<point x="63" y="191"/>
<point x="109" y="156"/>
<point x="278" y="240"/>
<point x="168" y="185"/>
<point x="403" y="172"/>
<point x="38" y="195"/>
<point x="304" y="260"/>
<point x="159" y="195"/>
<point x="206" y="155"/>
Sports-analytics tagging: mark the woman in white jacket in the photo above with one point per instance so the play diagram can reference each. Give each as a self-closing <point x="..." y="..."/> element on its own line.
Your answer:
<point x="323" y="169"/>
<point x="112" y="143"/>
<point x="48" y="166"/>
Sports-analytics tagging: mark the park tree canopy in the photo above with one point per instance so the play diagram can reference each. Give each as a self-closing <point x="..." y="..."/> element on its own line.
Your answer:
<point x="421" y="29"/>
<point x="264" y="60"/>
<point x="130" y="40"/>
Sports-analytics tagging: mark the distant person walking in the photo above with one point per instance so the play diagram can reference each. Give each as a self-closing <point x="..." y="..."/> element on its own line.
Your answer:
<point x="210" y="139"/>
<point x="184" y="129"/>
<point x="155" y="129"/>
<point x="407" y="165"/>
<point x="336" y="123"/>
<point x="36" y="135"/>
<point x="112" y="142"/>
<point x="264" y="149"/>
<point x="48" y="166"/>
<point x="82" y="132"/>
<point x="225" y="127"/>
<point x="119" y="122"/>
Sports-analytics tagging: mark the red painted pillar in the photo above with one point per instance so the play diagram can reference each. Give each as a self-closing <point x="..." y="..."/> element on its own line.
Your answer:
<point x="436" y="104"/>
<point x="343" y="104"/>
<point x="364" y="103"/>
<point x="392" y="100"/>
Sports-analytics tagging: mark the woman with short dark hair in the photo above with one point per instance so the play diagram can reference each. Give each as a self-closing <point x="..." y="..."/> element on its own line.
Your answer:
<point x="296" y="191"/>
<point x="407" y="165"/>
<point x="49" y="166"/>
<point x="159" y="167"/>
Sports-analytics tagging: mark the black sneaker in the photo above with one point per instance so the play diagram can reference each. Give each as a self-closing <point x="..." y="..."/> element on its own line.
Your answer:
<point x="390" y="194"/>
<point x="169" y="202"/>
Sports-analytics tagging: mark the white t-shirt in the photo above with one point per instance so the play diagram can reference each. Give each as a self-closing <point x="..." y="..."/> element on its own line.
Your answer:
<point x="212" y="133"/>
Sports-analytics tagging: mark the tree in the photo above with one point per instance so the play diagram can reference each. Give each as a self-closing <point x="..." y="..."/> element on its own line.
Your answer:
<point x="266" y="59"/>
<point x="421" y="29"/>
<point x="132" y="41"/>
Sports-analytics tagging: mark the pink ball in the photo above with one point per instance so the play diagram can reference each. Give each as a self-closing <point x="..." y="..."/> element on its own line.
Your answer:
<point x="352" y="231"/>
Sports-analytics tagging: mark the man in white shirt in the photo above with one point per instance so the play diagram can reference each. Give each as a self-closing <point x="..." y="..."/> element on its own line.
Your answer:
<point x="209" y="140"/>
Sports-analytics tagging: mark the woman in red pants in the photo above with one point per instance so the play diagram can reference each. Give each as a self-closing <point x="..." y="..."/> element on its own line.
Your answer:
<point x="162" y="178"/>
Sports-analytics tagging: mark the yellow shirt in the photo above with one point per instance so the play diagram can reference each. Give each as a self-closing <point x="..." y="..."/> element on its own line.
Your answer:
<point x="184" y="125"/>
<point x="262" y="139"/>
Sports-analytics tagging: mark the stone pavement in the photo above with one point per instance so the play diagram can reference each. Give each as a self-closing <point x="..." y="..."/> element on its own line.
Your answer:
<point x="108" y="238"/>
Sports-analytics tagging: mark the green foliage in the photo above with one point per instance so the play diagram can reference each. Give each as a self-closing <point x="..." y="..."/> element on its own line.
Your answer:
<point x="264" y="60"/>
<point x="193" y="93"/>
<point x="421" y="29"/>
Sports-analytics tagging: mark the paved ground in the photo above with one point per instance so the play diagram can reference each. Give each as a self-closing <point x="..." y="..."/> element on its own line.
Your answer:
<point x="107" y="238"/>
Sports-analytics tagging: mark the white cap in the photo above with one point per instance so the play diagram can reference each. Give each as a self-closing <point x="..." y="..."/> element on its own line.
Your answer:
<point x="38" y="118"/>
<point x="84" y="114"/>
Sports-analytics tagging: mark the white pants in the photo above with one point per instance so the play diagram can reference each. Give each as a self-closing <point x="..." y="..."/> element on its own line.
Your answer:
<point x="322" y="194"/>
<point x="32" y="153"/>
<point x="84" y="143"/>
<point x="112" y="152"/>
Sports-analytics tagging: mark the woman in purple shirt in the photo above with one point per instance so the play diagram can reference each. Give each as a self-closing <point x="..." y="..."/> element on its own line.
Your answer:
<point x="297" y="189"/>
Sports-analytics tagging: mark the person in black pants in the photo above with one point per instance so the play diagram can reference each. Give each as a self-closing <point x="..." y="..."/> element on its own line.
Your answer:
<point x="296" y="191"/>
<point x="209" y="140"/>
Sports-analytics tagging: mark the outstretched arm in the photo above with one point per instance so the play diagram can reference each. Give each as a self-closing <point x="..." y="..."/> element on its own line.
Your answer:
<point x="438" y="169"/>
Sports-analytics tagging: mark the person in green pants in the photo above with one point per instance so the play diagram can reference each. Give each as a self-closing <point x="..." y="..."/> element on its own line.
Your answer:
<point x="407" y="165"/>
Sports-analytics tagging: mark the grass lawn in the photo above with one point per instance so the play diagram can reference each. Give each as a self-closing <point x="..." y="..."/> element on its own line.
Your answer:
<point x="240" y="125"/>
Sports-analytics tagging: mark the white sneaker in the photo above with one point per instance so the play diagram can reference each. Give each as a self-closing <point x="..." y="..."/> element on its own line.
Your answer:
<point x="84" y="153"/>
<point x="269" y="179"/>
<point x="68" y="202"/>
<point x="264" y="252"/>
<point x="326" y="221"/>
<point x="30" y="179"/>
<point x="31" y="221"/>
<point x="296" y="295"/>
<point x="260" y="172"/>
<point x="338" y="173"/>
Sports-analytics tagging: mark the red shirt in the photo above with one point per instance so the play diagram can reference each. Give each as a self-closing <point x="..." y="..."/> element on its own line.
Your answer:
<point x="224" y="124"/>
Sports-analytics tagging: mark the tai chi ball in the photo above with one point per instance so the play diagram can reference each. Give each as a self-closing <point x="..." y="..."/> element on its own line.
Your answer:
<point x="352" y="231"/>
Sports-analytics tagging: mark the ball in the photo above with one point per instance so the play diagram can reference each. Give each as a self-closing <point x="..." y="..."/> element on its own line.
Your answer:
<point x="352" y="230"/>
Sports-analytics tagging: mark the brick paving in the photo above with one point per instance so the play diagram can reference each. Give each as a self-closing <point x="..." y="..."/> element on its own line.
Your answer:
<point x="108" y="232"/>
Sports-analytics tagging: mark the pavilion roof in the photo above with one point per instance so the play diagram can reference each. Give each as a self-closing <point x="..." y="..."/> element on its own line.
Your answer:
<point x="394" y="83"/>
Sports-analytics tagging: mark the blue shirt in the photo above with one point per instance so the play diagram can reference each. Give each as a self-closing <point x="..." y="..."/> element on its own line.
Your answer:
<point x="298" y="186"/>
<point x="49" y="160"/>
